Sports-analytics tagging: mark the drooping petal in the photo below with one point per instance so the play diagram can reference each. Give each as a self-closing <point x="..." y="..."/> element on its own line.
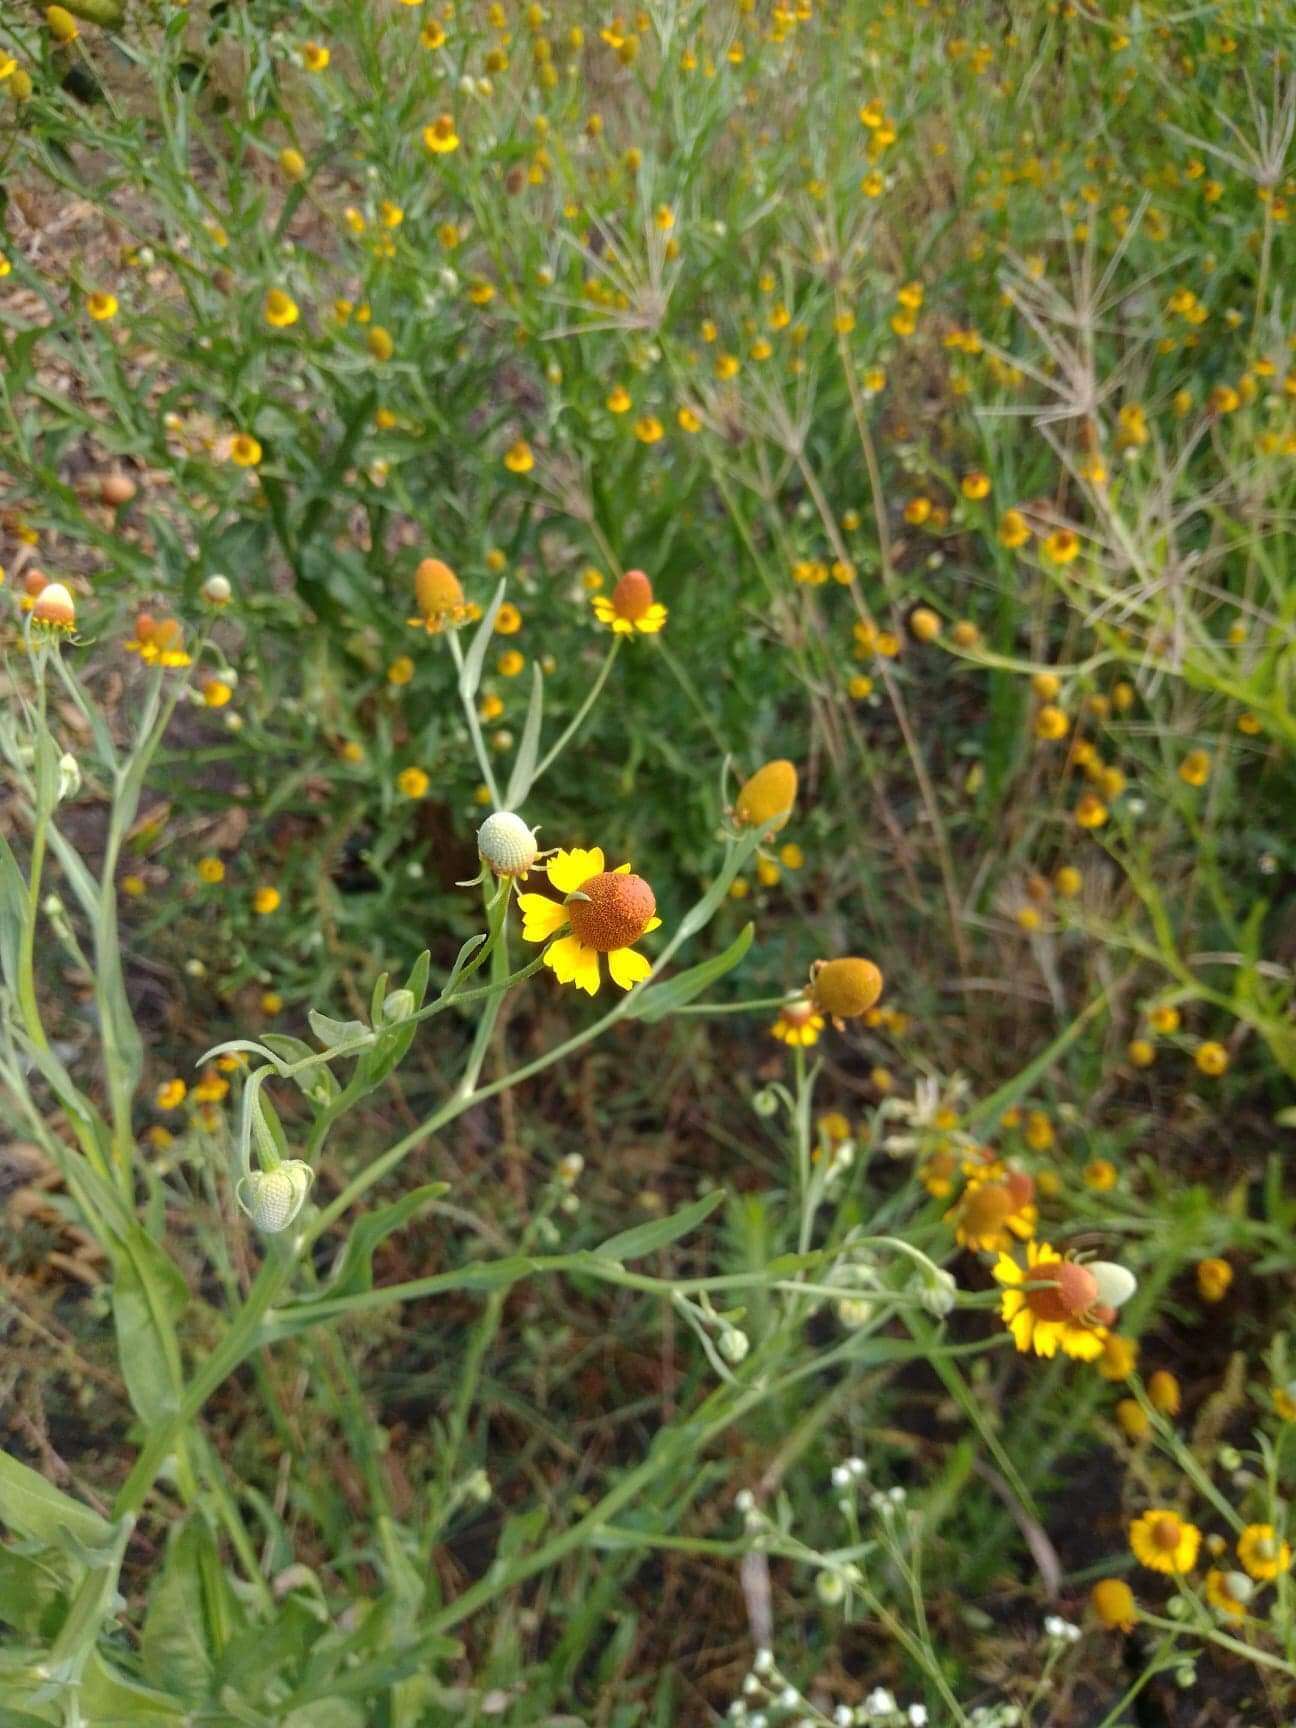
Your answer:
<point x="627" y="967"/>
<point x="567" y="870"/>
<point x="573" y="963"/>
<point x="1022" y="1327"/>
<point x="541" y="916"/>
<point x="652" y="621"/>
<point x="1082" y="1344"/>
<point x="655" y="924"/>
<point x="603" y="609"/>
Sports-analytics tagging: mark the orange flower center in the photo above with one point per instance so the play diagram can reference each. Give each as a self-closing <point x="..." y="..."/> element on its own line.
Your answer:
<point x="437" y="588"/>
<point x="985" y="1208"/>
<point x="1070" y="1291"/>
<point x="613" y="913"/>
<point x="632" y="596"/>
<point x="1166" y="1532"/>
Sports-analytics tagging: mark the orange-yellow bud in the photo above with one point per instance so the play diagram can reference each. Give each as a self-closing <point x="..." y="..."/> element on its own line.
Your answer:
<point x="767" y="797"/>
<point x="845" y="988"/>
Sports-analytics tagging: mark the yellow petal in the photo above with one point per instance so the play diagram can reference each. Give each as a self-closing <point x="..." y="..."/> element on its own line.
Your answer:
<point x="652" y="924"/>
<point x="1084" y="1346"/>
<point x="653" y="620"/>
<point x="572" y="963"/>
<point x="567" y="870"/>
<point x="541" y="916"/>
<point x="627" y="967"/>
<point x="1021" y="1328"/>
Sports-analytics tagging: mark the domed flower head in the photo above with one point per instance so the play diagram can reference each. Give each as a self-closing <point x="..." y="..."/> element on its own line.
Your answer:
<point x="158" y="641"/>
<point x="506" y="843"/>
<point x="630" y="607"/>
<point x="1114" y="1604"/>
<point x="54" y="607"/>
<point x="439" y="596"/>
<point x="990" y="1213"/>
<point x="1229" y="1592"/>
<point x="1262" y="1552"/>
<point x="799" y="1024"/>
<point x="1164" y="1542"/>
<point x="605" y="912"/>
<point x="845" y="988"/>
<point x="767" y="798"/>
<point x="1062" y="1311"/>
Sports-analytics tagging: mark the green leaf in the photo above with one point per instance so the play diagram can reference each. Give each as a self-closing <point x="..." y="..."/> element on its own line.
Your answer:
<point x="529" y="748"/>
<point x="470" y="676"/>
<point x="189" y="1614"/>
<point x="149" y="1294"/>
<point x="110" y="1700"/>
<point x="654" y="1002"/>
<point x="462" y="958"/>
<point x="644" y="1238"/>
<point x="29" y="1589"/>
<point x="13" y="913"/>
<point x="332" y="1032"/>
<point x="31" y="1507"/>
<point x="354" y="1272"/>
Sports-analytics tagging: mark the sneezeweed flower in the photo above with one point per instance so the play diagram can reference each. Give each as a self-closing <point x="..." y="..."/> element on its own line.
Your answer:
<point x="1164" y="1542"/>
<point x="975" y="485"/>
<point x="1090" y="811"/>
<point x="1212" y="1059"/>
<point x="1229" y="1593"/>
<point x="1262" y="1552"/>
<point x="210" y="870"/>
<point x="279" y="310"/>
<point x="605" y="911"/>
<point x="158" y="642"/>
<point x="767" y="798"/>
<point x="508" y="620"/>
<point x="101" y="306"/>
<point x="1284" y="1401"/>
<point x="1014" y="530"/>
<point x="440" y="138"/>
<point x="315" y="56"/>
<point x="924" y="625"/>
<point x="413" y="783"/>
<point x="798" y="1025"/>
<point x="1065" y="1310"/>
<point x="1119" y="1356"/>
<point x="62" y="25"/>
<point x="630" y="607"/>
<point x="1195" y="768"/>
<point x="507" y="844"/>
<point x="1133" y="1419"/>
<point x="170" y="1095"/>
<point x="1163" y="1393"/>
<point x="518" y="458"/>
<point x="439" y="596"/>
<point x="245" y="450"/>
<point x="1060" y="547"/>
<point x="54" y="607"/>
<point x="991" y="1212"/>
<point x="1213" y="1279"/>
<point x="1113" y="1602"/>
<point x="266" y="899"/>
<point x="845" y="988"/>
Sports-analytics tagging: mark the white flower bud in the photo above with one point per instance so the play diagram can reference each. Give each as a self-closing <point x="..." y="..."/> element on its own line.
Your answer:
<point x="69" y="776"/>
<point x="399" y="1005"/>
<point x="507" y="844"/>
<point x="734" y="1345"/>
<point x="216" y="590"/>
<point x="830" y="1587"/>
<point x="273" y="1198"/>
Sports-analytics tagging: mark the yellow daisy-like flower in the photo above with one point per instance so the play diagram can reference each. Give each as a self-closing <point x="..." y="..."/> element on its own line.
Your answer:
<point x="518" y="458"/>
<point x="1164" y="1542"/>
<point x="799" y="1024"/>
<point x="1284" y="1401"/>
<point x="279" y="309"/>
<point x="1059" y="1314"/>
<point x="605" y="912"/>
<point x="630" y="607"/>
<point x="1220" y="1592"/>
<point x="990" y="1213"/>
<point x="440" y="137"/>
<point x="101" y="306"/>
<point x="1262" y="1553"/>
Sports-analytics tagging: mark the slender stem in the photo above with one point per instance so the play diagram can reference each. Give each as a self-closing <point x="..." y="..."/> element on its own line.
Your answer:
<point x="474" y="725"/>
<point x="578" y="720"/>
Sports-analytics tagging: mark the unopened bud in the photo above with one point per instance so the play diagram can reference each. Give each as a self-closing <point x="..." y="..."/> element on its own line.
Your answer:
<point x="273" y="1198"/>
<point x="399" y="1005"/>
<point x="69" y="776"/>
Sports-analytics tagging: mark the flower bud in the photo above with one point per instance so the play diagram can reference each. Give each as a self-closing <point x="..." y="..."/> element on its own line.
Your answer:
<point x="69" y="776"/>
<point x="766" y="800"/>
<point x="273" y="1198"/>
<point x="734" y="1345"/>
<point x="399" y="1005"/>
<point x="216" y="590"/>
<point x="507" y="844"/>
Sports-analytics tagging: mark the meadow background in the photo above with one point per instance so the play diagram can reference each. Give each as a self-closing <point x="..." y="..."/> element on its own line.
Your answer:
<point x="642" y="1361"/>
